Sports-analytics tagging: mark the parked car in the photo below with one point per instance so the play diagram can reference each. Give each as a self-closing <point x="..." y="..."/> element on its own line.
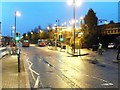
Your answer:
<point x="25" y="43"/>
<point x="41" y="43"/>
<point x="112" y="45"/>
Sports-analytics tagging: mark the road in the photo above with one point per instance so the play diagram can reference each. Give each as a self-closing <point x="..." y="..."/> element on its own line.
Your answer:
<point x="61" y="70"/>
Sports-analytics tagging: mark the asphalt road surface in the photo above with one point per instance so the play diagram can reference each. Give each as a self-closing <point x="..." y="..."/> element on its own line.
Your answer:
<point x="61" y="70"/>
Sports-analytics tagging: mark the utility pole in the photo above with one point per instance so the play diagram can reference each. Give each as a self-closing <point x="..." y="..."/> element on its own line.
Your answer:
<point x="74" y="25"/>
<point x="56" y="34"/>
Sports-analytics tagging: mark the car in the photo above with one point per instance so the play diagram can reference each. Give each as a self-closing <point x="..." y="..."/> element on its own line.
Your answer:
<point x="25" y="43"/>
<point x="112" y="45"/>
<point x="41" y="43"/>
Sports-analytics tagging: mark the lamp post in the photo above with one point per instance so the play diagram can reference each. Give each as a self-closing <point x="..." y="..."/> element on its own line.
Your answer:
<point x="17" y="13"/>
<point x="56" y="34"/>
<point x="75" y="3"/>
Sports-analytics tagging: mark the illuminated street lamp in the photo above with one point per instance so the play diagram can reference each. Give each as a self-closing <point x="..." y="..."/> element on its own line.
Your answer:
<point x="64" y="24"/>
<point x="40" y="32"/>
<point x="31" y="32"/>
<point x="75" y="3"/>
<point x="81" y="18"/>
<point x="12" y="31"/>
<point x="106" y="22"/>
<point x="48" y="28"/>
<point x="17" y="14"/>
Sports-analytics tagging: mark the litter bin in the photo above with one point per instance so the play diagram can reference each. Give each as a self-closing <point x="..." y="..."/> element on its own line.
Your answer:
<point x="94" y="47"/>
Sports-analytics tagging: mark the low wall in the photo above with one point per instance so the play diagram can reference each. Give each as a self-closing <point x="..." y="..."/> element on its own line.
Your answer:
<point x="3" y="51"/>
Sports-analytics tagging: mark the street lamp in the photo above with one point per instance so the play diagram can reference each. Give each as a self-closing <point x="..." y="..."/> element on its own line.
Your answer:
<point x="31" y="33"/>
<point x="57" y="21"/>
<point x="17" y="13"/>
<point x="75" y="3"/>
<point x="81" y="18"/>
<point x="12" y="31"/>
<point x="48" y="28"/>
<point x="40" y="32"/>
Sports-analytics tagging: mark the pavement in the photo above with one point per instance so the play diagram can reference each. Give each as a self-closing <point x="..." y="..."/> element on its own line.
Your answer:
<point x="109" y="55"/>
<point x="10" y="77"/>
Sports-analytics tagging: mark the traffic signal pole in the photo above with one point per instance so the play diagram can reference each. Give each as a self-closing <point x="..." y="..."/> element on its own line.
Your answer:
<point x="17" y="39"/>
<point x="18" y="54"/>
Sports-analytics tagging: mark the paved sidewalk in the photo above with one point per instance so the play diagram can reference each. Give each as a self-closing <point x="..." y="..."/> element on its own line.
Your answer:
<point x="10" y="76"/>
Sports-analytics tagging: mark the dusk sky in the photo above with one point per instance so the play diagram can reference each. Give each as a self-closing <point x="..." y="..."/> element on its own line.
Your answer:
<point x="34" y="14"/>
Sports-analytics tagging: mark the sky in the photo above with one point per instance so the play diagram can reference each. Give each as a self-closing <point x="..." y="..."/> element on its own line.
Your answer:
<point x="34" y="14"/>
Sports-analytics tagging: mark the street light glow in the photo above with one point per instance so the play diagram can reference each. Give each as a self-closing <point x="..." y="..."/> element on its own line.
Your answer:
<point x="53" y="27"/>
<point x="17" y="13"/>
<point x="54" y="24"/>
<point x="48" y="28"/>
<point x="77" y="2"/>
<point x="73" y="21"/>
<point x="81" y="18"/>
<point x="76" y="21"/>
<point x="65" y="23"/>
<point x="69" y="28"/>
<point x="31" y="32"/>
<point x="70" y="2"/>
<point x="106" y="22"/>
<point x="13" y="27"/>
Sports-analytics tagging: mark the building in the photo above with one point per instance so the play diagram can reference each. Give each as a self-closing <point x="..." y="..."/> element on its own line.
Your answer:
<point x="110" y="29"/>
<point x="109" y="33"/>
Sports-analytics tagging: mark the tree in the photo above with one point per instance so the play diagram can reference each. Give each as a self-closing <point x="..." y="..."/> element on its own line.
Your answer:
<point x="91" y="19"/>
<point x="91" y="36"/>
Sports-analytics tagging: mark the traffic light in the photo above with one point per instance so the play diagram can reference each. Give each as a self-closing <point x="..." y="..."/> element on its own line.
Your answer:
<point x="17" y="36"/>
